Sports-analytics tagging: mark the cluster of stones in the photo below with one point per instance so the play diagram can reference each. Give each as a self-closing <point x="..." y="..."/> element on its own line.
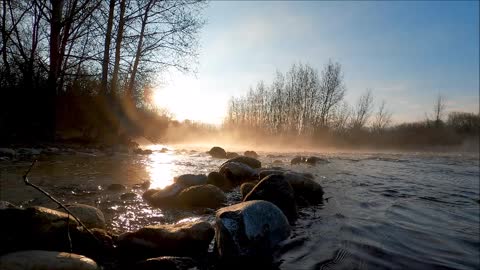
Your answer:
<point x="244" y="233"/>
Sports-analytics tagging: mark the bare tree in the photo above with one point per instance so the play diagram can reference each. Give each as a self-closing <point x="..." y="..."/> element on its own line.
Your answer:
<point x="439" y="109"/>
<point x="382" y="119"/>
<point x="332" y="90"/>
<point x="362" y="110"/>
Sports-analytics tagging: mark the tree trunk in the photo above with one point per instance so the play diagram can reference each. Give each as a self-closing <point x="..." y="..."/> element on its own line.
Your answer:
<point x="118" y="46"/>
<point x="55" y="61"/>
<point x="106" y="52"/>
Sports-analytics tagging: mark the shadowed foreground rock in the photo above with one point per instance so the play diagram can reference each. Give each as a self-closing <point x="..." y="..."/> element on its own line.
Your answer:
<point x="275" y="189"/>
<point x="249" y="232"/>
<point x="46" y="260"/>
<point x="216" y="179"/>
<point x="245" y="188"/>
<point x="181" y="239"/>
<point x="90" y="216"/>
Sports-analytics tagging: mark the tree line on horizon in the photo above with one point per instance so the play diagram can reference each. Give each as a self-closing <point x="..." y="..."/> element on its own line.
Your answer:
<point x="88" y="64"/>
<point x="302" y="103"/>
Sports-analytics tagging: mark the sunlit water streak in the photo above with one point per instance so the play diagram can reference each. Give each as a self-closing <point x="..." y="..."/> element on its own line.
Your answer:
<point x="385" y="211"/>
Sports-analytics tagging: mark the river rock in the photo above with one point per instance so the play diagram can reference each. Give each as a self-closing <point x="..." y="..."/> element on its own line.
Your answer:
<point x="250" y="161"/>
<point x="181" y="239"/>
<point x="140" y="151"/>
<point x="316" y="160"/>
<point x="116" y="187"/>
<point x="217" y="179"/>
<point x="298" y="160"/>
<point x="163" y="197"/>
<point x="275" y="189"/>
<point x="34" y="228"/>
<point x="249" y="231"/>
<point x="237" y="173"/>
<point x="90" y="216"/>
<point x="7" y="152"/>
<point x="167" y="263"/>
<point x="46" y="260"/>
<point x="232" y="155"/>
<point x="217" y="152"/>
<point x="251" y="154"/>
<point x="307" y="191"/>
<point x="208" y="196"/>
<point x="188" y="180"/>
<point x="245" y="188"/>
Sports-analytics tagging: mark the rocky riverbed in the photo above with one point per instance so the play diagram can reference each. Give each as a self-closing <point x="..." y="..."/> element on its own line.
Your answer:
<point x="168" y="208"/>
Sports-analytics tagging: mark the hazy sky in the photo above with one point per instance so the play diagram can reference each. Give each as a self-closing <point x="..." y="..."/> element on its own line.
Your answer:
<point x="406" y="52"/>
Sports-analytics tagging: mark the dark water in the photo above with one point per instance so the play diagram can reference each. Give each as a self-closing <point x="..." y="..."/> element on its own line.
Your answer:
<point x="383" y="211"/>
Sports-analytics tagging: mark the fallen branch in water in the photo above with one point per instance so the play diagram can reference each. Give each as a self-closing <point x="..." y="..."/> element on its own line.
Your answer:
<point x="25" y="179"/>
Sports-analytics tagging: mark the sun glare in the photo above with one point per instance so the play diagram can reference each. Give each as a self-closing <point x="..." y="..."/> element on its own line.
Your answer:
<point x="185" y="97"/>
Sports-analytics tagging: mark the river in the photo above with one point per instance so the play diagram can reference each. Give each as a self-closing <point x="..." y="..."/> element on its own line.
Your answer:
<point x="382" y="210"/>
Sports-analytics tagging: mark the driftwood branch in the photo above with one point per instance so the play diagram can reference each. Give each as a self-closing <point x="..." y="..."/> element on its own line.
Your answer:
<point x="27" y="182"/>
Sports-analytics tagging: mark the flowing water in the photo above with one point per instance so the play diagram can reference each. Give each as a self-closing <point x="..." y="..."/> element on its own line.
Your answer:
<point x="382" y="210"/>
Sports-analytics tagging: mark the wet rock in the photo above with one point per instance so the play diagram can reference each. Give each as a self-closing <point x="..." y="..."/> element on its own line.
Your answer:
<point x="163" y="150"/>
<point x="128" y="196"/>
<point x="34" y="228"/>
<point x="249" y="231"/>
<point x="245" y="188"/>
<point x="46" y="260"/>
<point x="188" y="180"/>
<point x="5" y="205"/>
<point x="251" y="154"/>
<point x="298" y="160"/>
<point x="217" y="152"/>
<point x="307" y="191"/>
<point x="163" y="197"/>
<point x="167" y="263"/>
<point x="208" y="196"/>
<point x="140" y="151"/>
<point x="232" y="155"/>
<point x="116" y="187"/>
<point x="237" y="172"/>
<point x="316" y="160"/>
<point x="181" y="239"/>
<point x="275" y="189"/>
<point x="90" y="216"/>
<point x="277" y="161"/>
<point x="217" y="179"/>
<point x="98" y="247"/>
<point x="144" y="185"/>
<point x="250" y="161"/>
<point x="7" y="152"/>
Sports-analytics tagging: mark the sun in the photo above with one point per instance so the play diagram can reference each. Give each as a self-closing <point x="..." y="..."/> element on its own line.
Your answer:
<point x="183" y="96"/>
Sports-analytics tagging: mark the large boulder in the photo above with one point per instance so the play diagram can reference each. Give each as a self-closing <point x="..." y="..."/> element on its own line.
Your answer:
<point x="307" y="191"/>
<point x="237" y="172"/>
<point x="249" y="231"/>
<point x="208" y="196"/>
<point x="46" y="260"/>
<point x="251" y="154"/>
<point x="188" y="180"/>
<point x="181" y="239"/>
<point x="217" y="152"/>
<point x="297" y="160"/>
<point x="250" y="161"/>
<point x="275" y="189"/>
<point x="167" y="263"/>
<point x="163" y="197"/>
<point x="90" y="216"/>
<point x="217" y="179"/>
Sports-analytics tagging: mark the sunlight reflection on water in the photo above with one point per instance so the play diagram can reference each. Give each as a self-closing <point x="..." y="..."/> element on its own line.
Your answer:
<point x="160" y="169"/>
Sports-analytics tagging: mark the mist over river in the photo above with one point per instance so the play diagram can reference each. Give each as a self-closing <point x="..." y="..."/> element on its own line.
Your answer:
<point x="382" y="210"/>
